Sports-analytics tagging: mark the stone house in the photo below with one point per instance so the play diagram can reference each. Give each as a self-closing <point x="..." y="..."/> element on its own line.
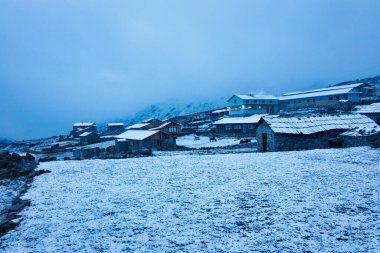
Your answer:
<point x="275" y="133"/>
<point x="134" y="141"/>
<point x="238" y="126"/>
<point x="79" y="128"/>
<point x="115" y="128"/>
<point x="169" y="128"/>
<point x="88" y="138"/>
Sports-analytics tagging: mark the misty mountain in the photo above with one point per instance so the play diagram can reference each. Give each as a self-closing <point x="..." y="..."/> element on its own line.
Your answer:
<point x="4" y="141"/>
<point x="173" y="108"/>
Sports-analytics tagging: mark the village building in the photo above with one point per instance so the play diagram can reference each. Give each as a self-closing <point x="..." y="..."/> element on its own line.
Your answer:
<point x="326" y="97"/>
<point x="115" y="128"/>
<point x="169" y="128"/>
<point x="275" y="133"/>
<point x="244" y="105"/>
<point x="88" y="138"/>
<point x="142" y="126"/>
<point x="139" y="140"/>
<point x="79" y="128"/>
<point x="238" y="126"/>
<point x="155" y="122"/>
<point x="372" y="111"/>
<point x="219" y="113"/>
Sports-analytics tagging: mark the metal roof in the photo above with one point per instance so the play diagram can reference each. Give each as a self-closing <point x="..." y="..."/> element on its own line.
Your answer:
<point x="372" y="108"/>
<point x="136" y="134"/>
<point x="240" y="120"/>
<point x="315" y="124"/>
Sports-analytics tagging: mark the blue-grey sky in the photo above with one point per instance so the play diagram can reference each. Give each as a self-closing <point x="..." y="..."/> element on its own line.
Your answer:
<point x="93" y="60"/>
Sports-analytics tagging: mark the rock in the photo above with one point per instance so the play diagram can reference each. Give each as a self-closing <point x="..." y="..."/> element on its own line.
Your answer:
<point x="3" y="164"/>
<point x="48" y="159"/>
<point x="7" y="226"/>
<point x="29" y="157"/>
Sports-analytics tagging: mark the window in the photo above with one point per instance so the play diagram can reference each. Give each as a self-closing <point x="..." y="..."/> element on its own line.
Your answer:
<point x="270" y="101"/>
<point x="247" y="101"/>
<point x="314" y="100"/>
<point x="330" y="98"/>
<point x="250" y="126"/>
<point x="237" y="127"/>
<point x="345" y="96"/>
<point x="235" y="101"/>
<point x="172" y="129"/>
<point x="263" y="101"/>
<point x="228" y="127"/>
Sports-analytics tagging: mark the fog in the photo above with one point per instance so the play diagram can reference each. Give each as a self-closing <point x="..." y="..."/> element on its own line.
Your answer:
<point x="67" y="61"/>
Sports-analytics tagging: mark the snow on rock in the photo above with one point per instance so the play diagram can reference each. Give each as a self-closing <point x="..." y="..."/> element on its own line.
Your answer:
<point x="204" y="142"/>
<point x="309" y="201"/>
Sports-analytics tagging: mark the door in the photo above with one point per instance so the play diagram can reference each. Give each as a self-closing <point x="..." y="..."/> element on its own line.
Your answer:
<point x="244" y="128"/>
<point x="265" y="142"/>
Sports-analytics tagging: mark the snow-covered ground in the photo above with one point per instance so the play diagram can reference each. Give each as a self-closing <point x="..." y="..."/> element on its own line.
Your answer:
<point x="309" y="201"/>
<point x="204" y="142"/>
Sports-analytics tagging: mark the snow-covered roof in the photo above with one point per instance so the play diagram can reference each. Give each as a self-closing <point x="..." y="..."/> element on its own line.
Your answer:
<point x="104" y="144"/>
<point x="253" y="97"/>
<point x="340" y="87"/>
<point x="317" y="94"/>
<point x="138" y="125"/>
<point x="85" y="134"/>
<point x="240" y="120"/>
<point x="220" y="111"/>
<point x="84" y="124"/>
<point x="315" y="124"/>
<point x="372" y="108"/>
<point x="330" y="91"/>
<point x="115" y="124"/>
<point x="136" y="134"/>
<point x="164" y="125"/>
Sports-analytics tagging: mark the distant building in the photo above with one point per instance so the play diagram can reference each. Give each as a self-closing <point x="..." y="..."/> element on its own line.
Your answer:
<point x="169" y="128"/>
<point x="155" y="122"/>
<point x="89" y="138"/>
<point x="274" y="133"/>
<point x="115" y="128"/>
<point x="244" y="105"/>
<point x="372" y="111"/>
<point x="219" y="113"/>
<point x="240" y="126"/>
<point x="142" y="126"/>
<point x="140" y="140"/>
<point x="79" y="128"/>
<point x="325" y="97"/>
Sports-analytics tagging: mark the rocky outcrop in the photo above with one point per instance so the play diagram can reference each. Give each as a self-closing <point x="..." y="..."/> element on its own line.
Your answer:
<point x="15" y="167"/>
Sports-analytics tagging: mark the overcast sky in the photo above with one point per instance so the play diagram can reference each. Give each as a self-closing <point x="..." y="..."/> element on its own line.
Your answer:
<point x="67" y="60"/>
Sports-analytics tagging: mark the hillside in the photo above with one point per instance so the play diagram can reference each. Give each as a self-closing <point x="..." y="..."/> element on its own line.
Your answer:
<point x="173" y="108"/>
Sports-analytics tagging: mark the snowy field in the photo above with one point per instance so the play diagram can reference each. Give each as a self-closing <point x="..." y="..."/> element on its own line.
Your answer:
<point x="204" y="142"/>
<point x="310" y="201"/>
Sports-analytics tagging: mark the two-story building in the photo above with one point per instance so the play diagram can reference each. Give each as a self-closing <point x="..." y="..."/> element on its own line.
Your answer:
<point x="325" y="97"/>
<point x="245" y="105"/>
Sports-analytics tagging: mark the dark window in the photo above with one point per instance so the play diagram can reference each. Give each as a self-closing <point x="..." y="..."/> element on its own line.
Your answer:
<point x="235" y="101"/>
<point x="330" y="98"/>
<point x="270" y="101"/>
<point x="337" y="97"/>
